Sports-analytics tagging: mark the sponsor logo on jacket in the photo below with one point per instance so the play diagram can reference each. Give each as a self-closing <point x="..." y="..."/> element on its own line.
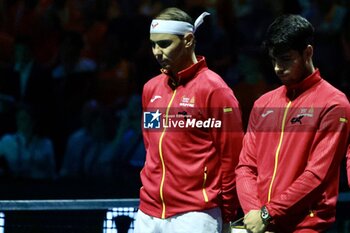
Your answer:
<point x="187" y="101"/>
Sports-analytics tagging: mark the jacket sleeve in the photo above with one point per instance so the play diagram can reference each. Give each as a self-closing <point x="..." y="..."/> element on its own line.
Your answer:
<point x="246" y="171"/>
<point x="348" y="164"/>
<point x="327" y="151"/>
<point x="228" y="142"/>
<point x="145" y="100"/>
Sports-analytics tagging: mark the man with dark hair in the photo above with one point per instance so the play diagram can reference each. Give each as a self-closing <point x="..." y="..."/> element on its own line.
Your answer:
<point x="288" y="172"/>
<point x="192" y="133"/>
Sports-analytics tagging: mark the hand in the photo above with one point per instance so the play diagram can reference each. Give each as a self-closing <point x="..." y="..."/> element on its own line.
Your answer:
<point x="253" y="222"/>
<point x="226" y="228"/>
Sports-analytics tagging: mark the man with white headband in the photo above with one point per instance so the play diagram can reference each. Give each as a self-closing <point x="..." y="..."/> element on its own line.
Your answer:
<point x="192" y="132"/>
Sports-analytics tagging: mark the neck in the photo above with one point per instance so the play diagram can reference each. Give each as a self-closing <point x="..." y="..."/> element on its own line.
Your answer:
<point x="189" y="62"/>
<point x="310" y="68"/>
<point x="194" y="58"/>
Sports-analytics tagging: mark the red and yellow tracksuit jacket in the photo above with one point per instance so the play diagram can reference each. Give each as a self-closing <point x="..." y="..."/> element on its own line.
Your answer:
<point x="193" y="135"/>
<point x="291" y="155"/>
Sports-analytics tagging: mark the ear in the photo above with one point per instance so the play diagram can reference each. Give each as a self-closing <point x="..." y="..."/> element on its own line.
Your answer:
<point x="188" y="40"/>
<point x="308" y="52"/>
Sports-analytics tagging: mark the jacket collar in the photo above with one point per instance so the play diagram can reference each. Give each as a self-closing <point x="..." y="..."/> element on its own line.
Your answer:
<point x="187" y="74"/>
<point x="295" y="91"/>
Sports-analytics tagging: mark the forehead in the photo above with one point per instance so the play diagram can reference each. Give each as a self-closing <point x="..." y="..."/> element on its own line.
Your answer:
<point x="163" y="36"/>
<point x="290" y="53"/>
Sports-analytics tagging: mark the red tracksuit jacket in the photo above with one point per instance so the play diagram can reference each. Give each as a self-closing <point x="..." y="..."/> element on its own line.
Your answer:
<point x="291" y="155"/>
<point x="190" y="167"/>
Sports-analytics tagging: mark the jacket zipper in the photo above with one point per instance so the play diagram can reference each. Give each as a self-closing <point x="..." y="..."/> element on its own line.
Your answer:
<point x="278" y="149"/>
<point x="204" y="184"/>
<point x="311" y="213"/>
<point x="161" y="156"/>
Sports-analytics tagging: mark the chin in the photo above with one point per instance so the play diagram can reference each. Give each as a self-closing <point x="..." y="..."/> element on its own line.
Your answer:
<point x="285" y="81"/>
<point x="168" y="68"/>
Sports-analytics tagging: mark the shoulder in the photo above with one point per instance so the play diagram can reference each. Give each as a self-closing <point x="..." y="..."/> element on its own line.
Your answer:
<point x="329" y="93"/>
<point x="270" y="96"/>
<point x="154" y="82"/>
<point x="212" y="79"/>
<point x="207" y="83"/>
<point x="154" y="86"/>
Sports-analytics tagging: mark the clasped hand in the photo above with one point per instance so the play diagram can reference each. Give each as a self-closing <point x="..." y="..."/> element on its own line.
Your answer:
<point x="253" y="222"/>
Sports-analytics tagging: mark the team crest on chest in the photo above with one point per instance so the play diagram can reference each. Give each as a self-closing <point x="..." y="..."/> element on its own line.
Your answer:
<point x="187" y="101"/>
<point x="306" y="112"/>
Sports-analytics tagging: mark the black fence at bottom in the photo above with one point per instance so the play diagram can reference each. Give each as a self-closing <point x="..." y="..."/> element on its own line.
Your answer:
<point x="68" y="216"/>
<point x="99" y="216"/>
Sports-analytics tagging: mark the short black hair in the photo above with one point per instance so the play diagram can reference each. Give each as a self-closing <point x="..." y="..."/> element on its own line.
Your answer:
<point x="288" y="32"/>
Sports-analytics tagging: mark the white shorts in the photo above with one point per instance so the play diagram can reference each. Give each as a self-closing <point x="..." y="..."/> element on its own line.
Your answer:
<point x="206" y="221"/>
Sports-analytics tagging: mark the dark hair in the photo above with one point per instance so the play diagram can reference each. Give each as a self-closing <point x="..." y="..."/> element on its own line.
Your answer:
<point x="288" y="32"/>
<point x="173" y="13"/>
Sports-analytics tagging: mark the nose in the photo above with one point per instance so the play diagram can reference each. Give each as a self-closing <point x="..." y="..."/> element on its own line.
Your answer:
<point x="278" y="67"/>
<point x="157" y="50"/>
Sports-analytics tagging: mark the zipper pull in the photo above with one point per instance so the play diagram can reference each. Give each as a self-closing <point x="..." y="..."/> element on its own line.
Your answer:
<point x="312" y="214"/>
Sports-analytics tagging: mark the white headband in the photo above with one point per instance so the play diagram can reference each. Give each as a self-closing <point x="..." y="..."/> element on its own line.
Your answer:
<point x="176" y="27"/>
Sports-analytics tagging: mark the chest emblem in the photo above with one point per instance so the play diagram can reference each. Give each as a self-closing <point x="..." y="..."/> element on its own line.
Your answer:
<point x="306" y="112"/>
<point x="187" y="101"/>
